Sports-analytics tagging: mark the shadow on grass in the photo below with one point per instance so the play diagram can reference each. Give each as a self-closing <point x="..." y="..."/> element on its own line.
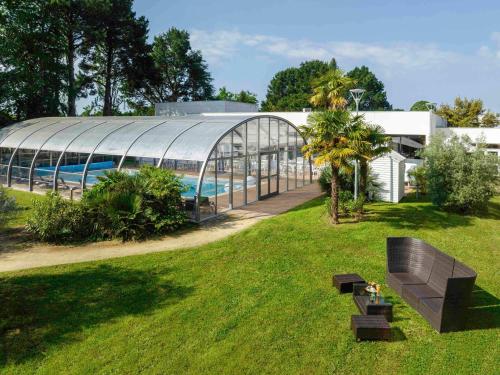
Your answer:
<point x="40" y="311"/>
<point x="484" y="312"/>
<point x="414" y="217"/>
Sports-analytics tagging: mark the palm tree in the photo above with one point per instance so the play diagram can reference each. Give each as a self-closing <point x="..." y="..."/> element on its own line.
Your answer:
<point x="372" y="143"/>
<point x="331" y="89"/>
<point x="333" y="138"/>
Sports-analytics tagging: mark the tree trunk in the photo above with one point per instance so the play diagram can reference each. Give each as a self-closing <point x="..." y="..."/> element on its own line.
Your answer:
<point x="363" y="176"/>
<point x="108" y="99"/>
<point x="335" y="195"/>
<point x="71" y="74"/>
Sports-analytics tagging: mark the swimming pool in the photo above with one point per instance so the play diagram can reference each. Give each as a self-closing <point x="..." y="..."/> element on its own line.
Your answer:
<point x="209" y="188"/>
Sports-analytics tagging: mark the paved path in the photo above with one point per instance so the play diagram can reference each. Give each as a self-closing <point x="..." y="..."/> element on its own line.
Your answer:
<point x="25" y="256"/>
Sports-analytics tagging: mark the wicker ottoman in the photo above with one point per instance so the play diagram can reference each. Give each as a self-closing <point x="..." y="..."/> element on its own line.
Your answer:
<point x="370" y="327"/>
<point x="344" y="282"/>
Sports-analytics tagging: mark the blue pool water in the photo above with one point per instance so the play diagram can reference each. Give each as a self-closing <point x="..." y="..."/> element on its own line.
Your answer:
<point x="70" y="174"/>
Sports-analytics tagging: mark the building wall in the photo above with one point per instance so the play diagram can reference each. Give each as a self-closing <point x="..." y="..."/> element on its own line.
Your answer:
<point x="209" y="106"/>
<point x="389" y="171"/>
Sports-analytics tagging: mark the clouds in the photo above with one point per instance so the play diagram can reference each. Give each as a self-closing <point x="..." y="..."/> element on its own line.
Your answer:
<point x="224" y="44"/>
<point x="491" y="51"/>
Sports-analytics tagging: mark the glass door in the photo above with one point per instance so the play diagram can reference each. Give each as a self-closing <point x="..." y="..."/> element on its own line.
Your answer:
<point x="269" y="172"/>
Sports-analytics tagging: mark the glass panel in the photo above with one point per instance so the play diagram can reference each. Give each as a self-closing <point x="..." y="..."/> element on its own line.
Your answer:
<point x="283" y="171"/>
<point x="307" y="172"/>
<point x="5" y="154"/>
<point x="69" y="178"/>
<point x="264" y="175"/>
<point x="263" y="134"/>
<point x="238" y="182"/>
<point x="223" y="185"/>
<point x="274" y="134"/>
<point x="224" y="148"/>
<point x="283" y="133"/>
<point x="21" y="167"/>
<point x="300" y="161"/>
<point x="208" y="196"/>
<point x="132" y="163"/>
<point x="239" y="137"/>
<point x="99" y="165"/>
<point x="273" y="173"/>
<point x="252" y="169"/>
<point x="43" y="173"/>
<point x="292" y="160"/>
<point x="252" y="136"/>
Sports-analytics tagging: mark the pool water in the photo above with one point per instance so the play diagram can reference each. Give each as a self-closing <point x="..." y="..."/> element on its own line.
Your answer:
<point x="209" y="188"/>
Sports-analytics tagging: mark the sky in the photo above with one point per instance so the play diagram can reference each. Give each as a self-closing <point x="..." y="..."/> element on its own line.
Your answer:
<point x="420" y="49"/>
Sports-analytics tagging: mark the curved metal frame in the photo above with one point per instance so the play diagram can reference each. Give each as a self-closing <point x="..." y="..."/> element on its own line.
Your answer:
<point x="91" y="154"/>
<point x="122" y="160"/>
<point x="63" y="152"/>
<point x="205" y="162"/>
<point x="32" y="167"/>
<point x="14" y="153"/>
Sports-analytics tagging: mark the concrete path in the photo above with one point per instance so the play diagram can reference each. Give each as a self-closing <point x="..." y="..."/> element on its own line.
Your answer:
<point x="24" y="256"/>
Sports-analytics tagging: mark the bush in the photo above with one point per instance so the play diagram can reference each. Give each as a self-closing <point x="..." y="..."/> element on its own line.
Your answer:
<point x="348" y="206"/>
<point x="56" y="219"/>
<point x="344" y="198"/>
<point x="347" y="183"/>
<point x="460" y="175"/>
<point x="8" y="206"/>
<point x="136" y="206"/>
<point x="417" y="178"/>
<point x="120" y="205"/>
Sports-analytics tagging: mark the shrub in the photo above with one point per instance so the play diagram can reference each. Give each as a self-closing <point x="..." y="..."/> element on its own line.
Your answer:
<point x="417" y="177"/>
<point x="347" y="183"/>
<point x="344" y="198"/>
<point x="56" y="219"/>
<point x="460" y="175"/>
<point x="136" y="206"/>
<point x="8" y="206"/>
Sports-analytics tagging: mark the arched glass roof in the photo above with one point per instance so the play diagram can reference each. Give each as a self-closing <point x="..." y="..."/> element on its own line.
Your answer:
<point x="183" y="138"/>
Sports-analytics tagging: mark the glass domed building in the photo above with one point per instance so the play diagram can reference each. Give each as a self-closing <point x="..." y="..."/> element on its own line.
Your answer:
<point x="226" y="161"/>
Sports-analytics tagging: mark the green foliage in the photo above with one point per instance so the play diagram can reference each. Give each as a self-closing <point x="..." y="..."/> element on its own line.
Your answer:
<point x="421" y="105"/>
<point x="242" y="96"/>
<point x="467" y="113"/>
<point x="375" y="97"/>
<point x="173" y="72"/>
<point x="417" y="177"/>
<point x="56" y="219"/>
<point x="460" y="175"/>
<point x="290" y="89"/>
<point x="346" y="180"/>
<point x="32" y="71"/>
<point x="331" y="89"/>
<point x="8" y="206"/>
<point x="120" y="205"/>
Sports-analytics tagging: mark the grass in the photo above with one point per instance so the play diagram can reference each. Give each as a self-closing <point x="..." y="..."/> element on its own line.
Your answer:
<point x="25" y="202"/>
<point x="257" y="302"/>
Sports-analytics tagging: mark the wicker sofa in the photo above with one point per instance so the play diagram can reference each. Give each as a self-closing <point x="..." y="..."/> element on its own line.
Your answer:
<point x="435" y="284"/>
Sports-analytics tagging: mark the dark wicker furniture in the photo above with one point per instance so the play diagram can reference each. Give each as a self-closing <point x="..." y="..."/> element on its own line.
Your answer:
<point x="344" y="282"/>
<point x="366" y="307"/>
<point x="370" y="327"/>
<point x="435" y="284"/>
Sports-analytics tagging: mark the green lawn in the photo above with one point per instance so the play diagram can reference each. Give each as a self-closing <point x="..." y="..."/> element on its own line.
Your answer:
<point x="24" y="200"/>
<point x="258" y="302"/>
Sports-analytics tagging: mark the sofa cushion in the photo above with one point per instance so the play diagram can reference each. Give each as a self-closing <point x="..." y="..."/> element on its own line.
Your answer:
<point x="414" y="293"/>
<point x="433" y="304"/>
<point x="398" y="279"/>
<point x="442" y="269"/>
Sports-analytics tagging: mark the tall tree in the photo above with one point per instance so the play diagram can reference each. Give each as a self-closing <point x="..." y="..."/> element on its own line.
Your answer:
<point x="290" y="89"/>
<point x="375" y="97"/>
<point x="331" y="136"/>
<point x="421" y="105"/>
<point x="73" y="15"/>
<point x="31" y="60"/>
<point x="114" y="49"/>
<point x="175" y="72"/>
<point x="330" y="90"/>
<point x="467" y="113"/>
<point x="242" y="96"/>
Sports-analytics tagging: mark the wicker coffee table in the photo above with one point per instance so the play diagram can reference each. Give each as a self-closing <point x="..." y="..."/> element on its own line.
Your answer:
<point x="344" y="282"/>
<point x="370" y="327"/>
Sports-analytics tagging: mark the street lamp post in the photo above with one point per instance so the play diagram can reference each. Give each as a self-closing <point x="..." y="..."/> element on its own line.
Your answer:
<point x="356" y="95"/>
